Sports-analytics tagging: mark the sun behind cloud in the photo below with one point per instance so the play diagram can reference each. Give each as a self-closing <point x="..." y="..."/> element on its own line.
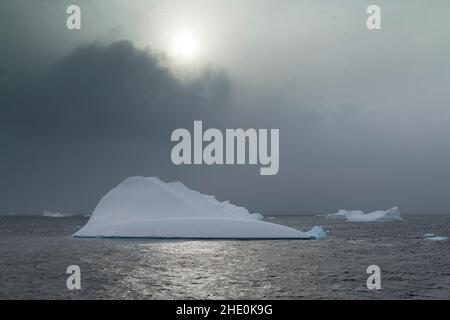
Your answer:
<point x="185" y="46"/>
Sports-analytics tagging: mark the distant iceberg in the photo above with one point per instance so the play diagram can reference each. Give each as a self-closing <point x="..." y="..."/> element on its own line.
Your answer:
<point x="359" y="216"/>
<point x="150" y="208"/>
<point x="433" y="237"/>
<point x="49" y="214"/>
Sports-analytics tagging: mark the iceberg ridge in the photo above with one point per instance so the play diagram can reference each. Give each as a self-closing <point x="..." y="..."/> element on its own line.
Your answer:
<point x="150" y="208"/>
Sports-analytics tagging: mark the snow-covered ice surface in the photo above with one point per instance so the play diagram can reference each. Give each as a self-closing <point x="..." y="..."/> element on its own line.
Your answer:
<point x="360" y="216"/>
<point x="150" y="208"/>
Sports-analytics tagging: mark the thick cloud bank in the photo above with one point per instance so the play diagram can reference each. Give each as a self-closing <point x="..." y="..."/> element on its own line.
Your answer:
<point x="96" y="116"/>
<point x="151" y="208"/>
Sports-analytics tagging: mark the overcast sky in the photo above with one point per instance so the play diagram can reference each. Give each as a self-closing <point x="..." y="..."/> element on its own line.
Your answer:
<point x="364" y="116"/>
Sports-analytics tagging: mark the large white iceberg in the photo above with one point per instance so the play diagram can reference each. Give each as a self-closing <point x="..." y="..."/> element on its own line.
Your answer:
<point x="360" y="216"/>
<point x="150" y="208"/>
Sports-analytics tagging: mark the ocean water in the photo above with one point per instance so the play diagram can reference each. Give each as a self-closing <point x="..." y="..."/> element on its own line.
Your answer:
<point x="35" y="252"/>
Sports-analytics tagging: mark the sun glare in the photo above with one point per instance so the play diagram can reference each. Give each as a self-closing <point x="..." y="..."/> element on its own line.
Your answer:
<point x="185" y="46"/>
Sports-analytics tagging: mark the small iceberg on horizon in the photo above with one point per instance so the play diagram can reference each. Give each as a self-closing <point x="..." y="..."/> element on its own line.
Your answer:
<point x="392" y="214"/>
<point x="433" y="237"/>
<point x="49" y="214"/>
<point x="149" y="208"/>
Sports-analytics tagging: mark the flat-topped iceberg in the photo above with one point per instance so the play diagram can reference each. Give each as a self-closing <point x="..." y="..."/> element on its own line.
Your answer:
<point x="49" y="214"/>
<point x="433" y="237"/>
<point x="150" y="208"/>
<point x="360" y="216"/>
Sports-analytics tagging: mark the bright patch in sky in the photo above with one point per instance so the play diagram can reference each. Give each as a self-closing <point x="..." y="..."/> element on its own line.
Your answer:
<point x="185" y="46"/>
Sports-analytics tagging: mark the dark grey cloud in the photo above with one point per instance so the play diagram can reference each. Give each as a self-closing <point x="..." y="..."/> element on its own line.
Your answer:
<point x="94" y="117"/>
<point x="109" y="91"/>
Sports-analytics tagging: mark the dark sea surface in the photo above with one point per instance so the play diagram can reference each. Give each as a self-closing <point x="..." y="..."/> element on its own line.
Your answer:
<point x="35" y="252"/>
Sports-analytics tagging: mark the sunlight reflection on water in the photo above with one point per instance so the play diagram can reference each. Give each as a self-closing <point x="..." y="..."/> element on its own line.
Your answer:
<point x="193" y="269"/>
